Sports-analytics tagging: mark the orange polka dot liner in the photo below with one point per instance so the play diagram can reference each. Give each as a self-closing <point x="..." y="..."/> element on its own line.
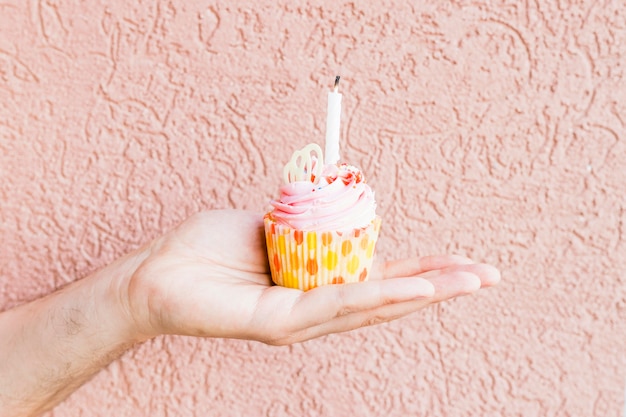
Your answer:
<point x="307" y="259"/>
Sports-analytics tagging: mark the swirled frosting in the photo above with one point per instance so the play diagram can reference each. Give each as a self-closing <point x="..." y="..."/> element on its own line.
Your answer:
<point x="339" y="200"/>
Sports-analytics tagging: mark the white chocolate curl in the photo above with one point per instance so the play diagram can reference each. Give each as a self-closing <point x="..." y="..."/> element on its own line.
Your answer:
<point x="305" y="164"/>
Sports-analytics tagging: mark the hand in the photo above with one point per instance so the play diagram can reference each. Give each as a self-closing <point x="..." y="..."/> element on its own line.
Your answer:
<point x="210" y="277"/>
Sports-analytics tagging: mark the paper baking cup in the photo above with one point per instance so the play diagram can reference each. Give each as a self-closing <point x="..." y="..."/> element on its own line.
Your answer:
<point x="307" y="259"/>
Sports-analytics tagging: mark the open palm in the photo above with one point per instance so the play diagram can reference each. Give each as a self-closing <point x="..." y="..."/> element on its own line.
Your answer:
<point x="210" y="277"/>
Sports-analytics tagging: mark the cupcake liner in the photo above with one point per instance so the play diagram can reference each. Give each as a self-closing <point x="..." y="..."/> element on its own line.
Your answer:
<point x="307" y="259"/>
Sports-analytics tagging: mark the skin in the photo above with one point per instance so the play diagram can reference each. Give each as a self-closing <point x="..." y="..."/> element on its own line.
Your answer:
<point x="208" y="277"/>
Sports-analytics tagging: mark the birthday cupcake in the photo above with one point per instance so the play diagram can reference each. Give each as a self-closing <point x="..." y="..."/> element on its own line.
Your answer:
<point x="323" y="228"/>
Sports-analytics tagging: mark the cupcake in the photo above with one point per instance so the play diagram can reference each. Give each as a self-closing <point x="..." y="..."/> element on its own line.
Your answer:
<point x="323" y="228"/>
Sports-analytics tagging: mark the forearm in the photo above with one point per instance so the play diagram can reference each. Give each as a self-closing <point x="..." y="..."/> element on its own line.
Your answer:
<point x="51" y="346"/>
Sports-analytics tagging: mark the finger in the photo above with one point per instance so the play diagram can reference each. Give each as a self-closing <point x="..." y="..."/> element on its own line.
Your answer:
<point x="447" y="285"/>
<point x="454" y="283"/>
<point x="414" y="266"/>
<point x="488" y="274"/>
<point x="325" y="303"/>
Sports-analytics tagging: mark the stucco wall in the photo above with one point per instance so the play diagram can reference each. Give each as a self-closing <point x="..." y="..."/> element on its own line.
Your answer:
<point x="494" y="129"/>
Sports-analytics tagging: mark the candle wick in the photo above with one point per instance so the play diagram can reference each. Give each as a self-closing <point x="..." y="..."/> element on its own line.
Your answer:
<point x="337" y="83"/>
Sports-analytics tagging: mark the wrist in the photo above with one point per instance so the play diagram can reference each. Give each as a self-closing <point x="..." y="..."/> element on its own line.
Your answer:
<point x="113" y="284"/>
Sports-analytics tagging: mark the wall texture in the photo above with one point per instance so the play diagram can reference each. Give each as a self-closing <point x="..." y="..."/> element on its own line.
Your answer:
<point x="494" y="129"/>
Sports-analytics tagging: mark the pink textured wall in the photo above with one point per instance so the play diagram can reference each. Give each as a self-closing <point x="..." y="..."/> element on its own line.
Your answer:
<point x="494" y="129"/>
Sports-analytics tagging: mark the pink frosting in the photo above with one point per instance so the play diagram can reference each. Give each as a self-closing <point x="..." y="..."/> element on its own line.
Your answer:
<point x="340" y="201"/>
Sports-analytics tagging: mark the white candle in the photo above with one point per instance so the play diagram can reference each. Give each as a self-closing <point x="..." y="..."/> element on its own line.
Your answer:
<point x="333" y="116"/>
